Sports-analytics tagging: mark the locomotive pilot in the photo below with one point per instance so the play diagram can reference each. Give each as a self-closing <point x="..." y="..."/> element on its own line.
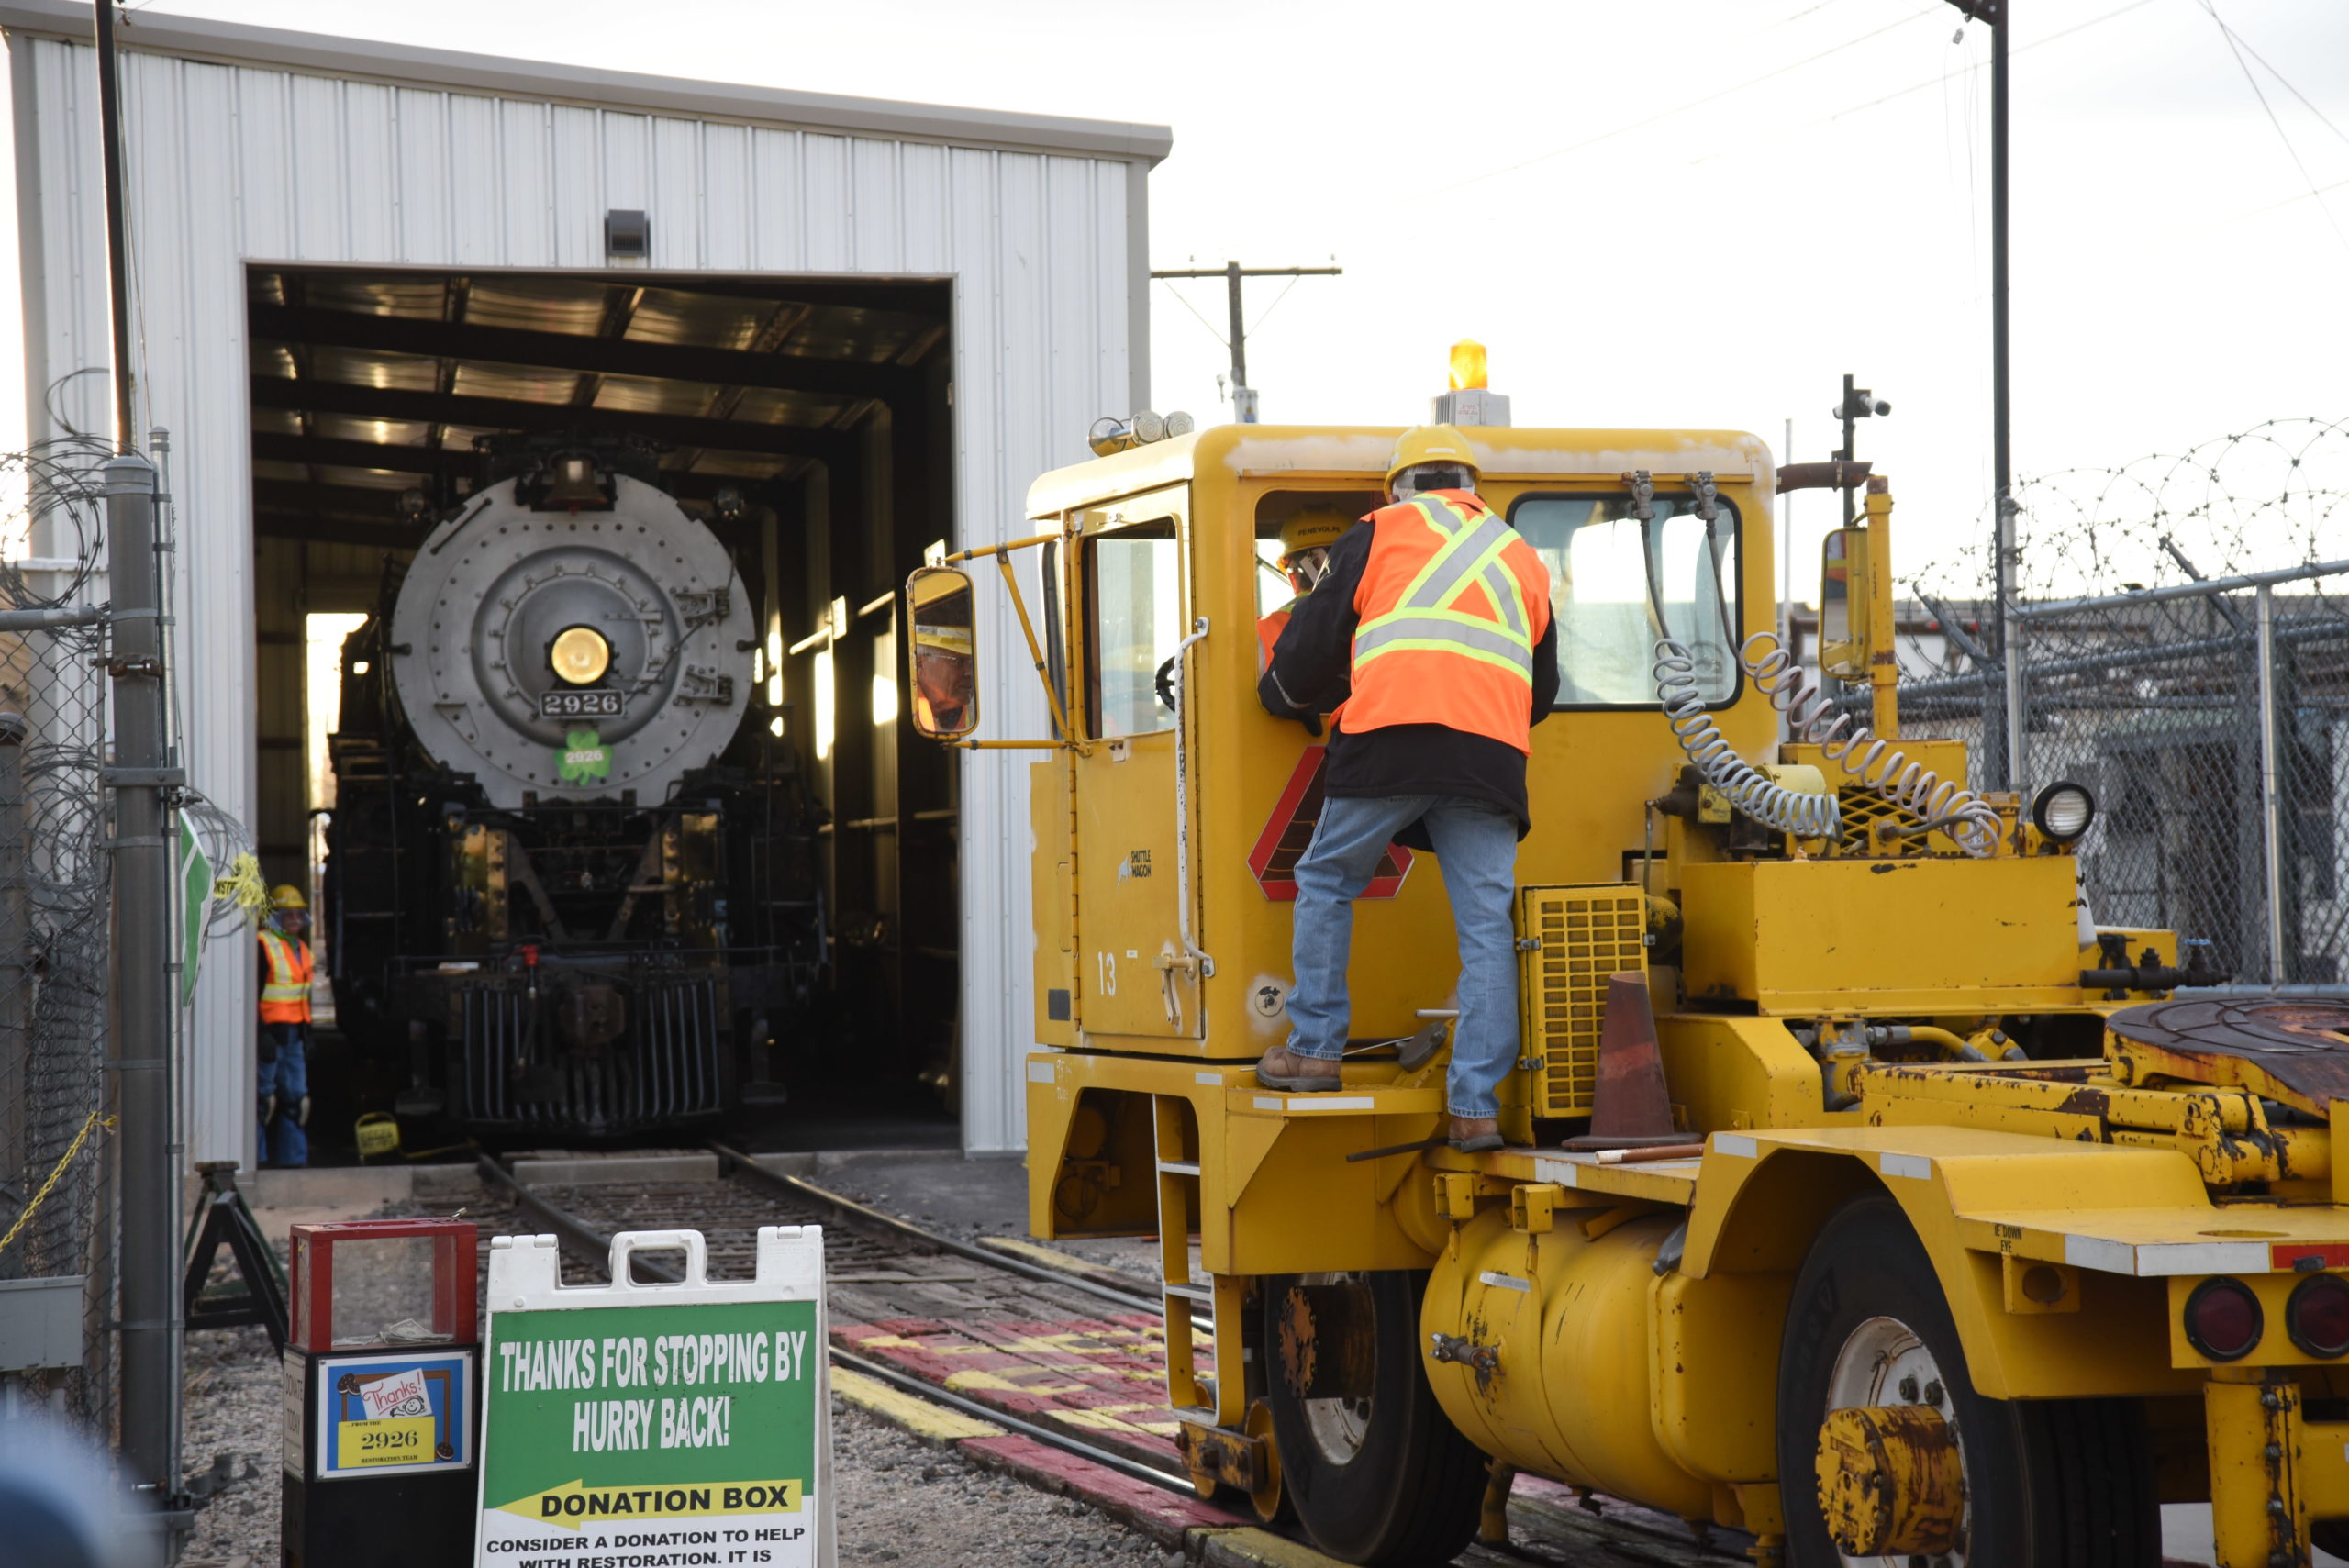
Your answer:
<point x="283" y="1048"/>
<point x="1430" y="635"/>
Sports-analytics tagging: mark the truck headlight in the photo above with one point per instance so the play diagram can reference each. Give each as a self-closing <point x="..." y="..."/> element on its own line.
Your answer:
<point x="2064" y="811"/>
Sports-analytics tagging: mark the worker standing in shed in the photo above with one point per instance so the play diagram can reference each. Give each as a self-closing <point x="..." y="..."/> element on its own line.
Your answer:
<point x="283" y="1048"/>
<point x="1431" y="636"/>
<point x="1306" y="539"/>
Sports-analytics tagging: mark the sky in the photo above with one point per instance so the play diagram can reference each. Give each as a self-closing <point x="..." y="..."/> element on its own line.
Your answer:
<point x="1679" y="212"/>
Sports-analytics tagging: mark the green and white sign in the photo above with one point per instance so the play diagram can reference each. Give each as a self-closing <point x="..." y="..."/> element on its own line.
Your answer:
<point x="630" y="1425"/>
<point x="584" y="758"/>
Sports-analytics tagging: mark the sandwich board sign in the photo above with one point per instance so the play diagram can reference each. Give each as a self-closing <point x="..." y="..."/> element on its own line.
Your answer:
<point x="640" y="1426"/>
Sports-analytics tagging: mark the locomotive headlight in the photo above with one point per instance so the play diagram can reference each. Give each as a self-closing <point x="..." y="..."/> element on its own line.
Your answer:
<point x="2064" y="811"/>
<point x="579" y="656"/>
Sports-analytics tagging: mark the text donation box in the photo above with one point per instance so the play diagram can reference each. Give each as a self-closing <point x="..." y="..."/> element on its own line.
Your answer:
<point x="630" y="1423"/>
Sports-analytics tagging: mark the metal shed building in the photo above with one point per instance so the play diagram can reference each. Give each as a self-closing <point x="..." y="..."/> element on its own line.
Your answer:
<point x="314" y="220"/>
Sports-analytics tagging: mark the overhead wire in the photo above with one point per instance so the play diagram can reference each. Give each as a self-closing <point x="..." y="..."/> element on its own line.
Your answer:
<point x="1194" y="310"/>
<point x="2282" y="135"/>
<point x="1748" y="141"/>
<point x="1706" y="101"/>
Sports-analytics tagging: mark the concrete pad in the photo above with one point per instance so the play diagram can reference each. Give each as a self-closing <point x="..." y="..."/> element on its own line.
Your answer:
<point x="616" y="1170"/>
<point x="1258" y="1549"/>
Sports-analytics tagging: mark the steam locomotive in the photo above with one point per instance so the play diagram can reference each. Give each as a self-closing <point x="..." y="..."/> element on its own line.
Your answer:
<point x="569" y="890"/>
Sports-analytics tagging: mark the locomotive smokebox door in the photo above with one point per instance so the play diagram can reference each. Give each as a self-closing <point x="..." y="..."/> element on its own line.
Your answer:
<point x="381" y="1390"/>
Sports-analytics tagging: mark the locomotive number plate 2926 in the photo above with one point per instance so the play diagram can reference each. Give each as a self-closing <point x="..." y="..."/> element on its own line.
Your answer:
<point x="579" y="705"/>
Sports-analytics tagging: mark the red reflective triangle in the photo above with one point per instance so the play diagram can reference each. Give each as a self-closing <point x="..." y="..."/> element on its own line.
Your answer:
<point x="1290" y="829"/>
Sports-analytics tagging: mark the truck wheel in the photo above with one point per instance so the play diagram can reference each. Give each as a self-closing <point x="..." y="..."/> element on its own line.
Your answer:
<point x="1377" y="1473"/>
<point x="2048" y="1484"/>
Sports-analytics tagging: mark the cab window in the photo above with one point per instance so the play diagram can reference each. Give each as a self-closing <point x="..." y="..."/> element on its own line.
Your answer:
<point x="1611" y="575"/>
<point x="1133" y="593"/>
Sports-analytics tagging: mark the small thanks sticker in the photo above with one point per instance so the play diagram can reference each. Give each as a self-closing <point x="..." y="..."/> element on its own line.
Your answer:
<point x="400" y="1393"/>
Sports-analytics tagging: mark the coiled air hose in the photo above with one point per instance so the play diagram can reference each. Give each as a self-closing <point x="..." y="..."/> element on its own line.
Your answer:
<point x="1941" y="804"/>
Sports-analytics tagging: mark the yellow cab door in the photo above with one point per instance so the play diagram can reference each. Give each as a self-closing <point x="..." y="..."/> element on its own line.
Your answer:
<point x="1132" y="598"/>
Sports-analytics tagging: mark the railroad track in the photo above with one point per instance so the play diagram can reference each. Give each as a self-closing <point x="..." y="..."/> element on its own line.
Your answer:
<point x="1068" y="1357"/>
<point x="863" y="1246"/>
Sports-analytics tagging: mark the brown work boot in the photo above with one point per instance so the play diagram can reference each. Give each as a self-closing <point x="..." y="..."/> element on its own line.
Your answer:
<point x="1475" y="1134"/>
<point x="1282" y="1069"/>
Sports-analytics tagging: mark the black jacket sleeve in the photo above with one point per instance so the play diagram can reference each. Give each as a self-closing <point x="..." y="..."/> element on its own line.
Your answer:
<point x="1545" y="672"/>
<point x="1312" y="667"/>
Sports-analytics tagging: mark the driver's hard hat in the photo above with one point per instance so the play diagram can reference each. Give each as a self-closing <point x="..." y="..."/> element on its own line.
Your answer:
<point x="1431" y="444"/>
<point x="285" y="896"/>
<point x="1316" y="527"/>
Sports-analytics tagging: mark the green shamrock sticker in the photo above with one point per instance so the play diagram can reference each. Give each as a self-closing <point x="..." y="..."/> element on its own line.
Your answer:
<point x="584" y="757"/>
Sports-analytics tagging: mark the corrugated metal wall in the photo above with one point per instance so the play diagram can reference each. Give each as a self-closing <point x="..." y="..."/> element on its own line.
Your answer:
<point x="234" y="163"/>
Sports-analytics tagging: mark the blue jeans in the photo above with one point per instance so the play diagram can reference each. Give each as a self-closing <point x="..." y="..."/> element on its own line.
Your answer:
<point x="1476" y="846"/>
<point x="287" y="1077"/>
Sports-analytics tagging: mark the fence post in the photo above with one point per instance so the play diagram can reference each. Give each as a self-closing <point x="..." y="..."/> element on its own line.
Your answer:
<point x="141" y="1042"/>
<point x="2271" y="805"/>
<point x="15" y="994"/>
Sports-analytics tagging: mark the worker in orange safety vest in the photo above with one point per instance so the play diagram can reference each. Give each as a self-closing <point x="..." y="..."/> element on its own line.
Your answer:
<point x="1430" y="642"/>
<point x="1306" y="539"/>
<point x="281" y="1051"/>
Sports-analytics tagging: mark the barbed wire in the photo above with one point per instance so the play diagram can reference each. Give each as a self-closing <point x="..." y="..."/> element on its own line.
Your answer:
<point x="2274" y="494"/>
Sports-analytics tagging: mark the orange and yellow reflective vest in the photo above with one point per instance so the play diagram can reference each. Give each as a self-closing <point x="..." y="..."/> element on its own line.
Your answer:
<point x="1268" y="632"/>
<point x="1450" y="603"/>
<point x="286" y="994"/>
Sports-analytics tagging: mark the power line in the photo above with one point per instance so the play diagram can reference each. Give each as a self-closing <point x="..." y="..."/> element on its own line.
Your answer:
<point x="1708" y="101"/>
<point x="2309" y="180"/>
<point x="2244" y="45"/>
<point x="1194" y="310"/>
<point x="1919" y="86"/>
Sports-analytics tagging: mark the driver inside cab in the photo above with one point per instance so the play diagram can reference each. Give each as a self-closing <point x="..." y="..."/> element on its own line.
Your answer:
<point x="1304" y="560"/>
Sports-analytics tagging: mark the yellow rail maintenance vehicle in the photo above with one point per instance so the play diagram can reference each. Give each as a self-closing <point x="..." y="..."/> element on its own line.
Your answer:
<point x="1944" y="1234"/>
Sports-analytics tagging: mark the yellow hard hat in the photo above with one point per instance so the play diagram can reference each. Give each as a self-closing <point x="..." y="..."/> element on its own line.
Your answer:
<point x="285" y="896"/>
<point x="1430" y="443"/>
<point x="1316" y="527"/>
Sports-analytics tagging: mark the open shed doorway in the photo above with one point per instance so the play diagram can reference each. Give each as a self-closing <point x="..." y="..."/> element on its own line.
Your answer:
<point x="805" y="423"/>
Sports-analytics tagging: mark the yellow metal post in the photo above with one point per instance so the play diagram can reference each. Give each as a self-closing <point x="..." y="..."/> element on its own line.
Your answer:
<point x="2259" y="1513"/>
<point x="1884" y="658"/>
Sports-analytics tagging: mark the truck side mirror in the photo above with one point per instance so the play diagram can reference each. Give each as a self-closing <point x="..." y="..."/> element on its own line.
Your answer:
<point x="1844" y="593"/>
<point x="943" y="654"/>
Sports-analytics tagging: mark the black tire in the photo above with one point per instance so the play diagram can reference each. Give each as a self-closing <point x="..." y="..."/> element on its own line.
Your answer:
<point x="2049" y="1484"/>
<point x="1408" y="1493"/>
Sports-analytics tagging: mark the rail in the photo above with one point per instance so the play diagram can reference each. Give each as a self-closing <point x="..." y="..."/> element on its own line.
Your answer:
<point x="589" y="1245"/>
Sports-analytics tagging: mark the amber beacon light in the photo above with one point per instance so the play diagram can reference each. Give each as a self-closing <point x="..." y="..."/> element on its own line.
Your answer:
<point x="1468" y="365"/>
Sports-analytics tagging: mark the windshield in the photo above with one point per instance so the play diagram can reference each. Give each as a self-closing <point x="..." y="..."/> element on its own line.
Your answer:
<point x="1599" y="558"/>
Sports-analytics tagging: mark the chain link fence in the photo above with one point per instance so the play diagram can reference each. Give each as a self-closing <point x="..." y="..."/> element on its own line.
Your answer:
<point x="55" y="1138"/>
<point x="2177" y="713"/>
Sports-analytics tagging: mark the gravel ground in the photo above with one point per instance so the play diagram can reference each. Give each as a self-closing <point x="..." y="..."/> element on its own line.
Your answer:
<point x="900" y="1500"/>
<point x="235" y="1397"/>
<point x="903" y="1501"/>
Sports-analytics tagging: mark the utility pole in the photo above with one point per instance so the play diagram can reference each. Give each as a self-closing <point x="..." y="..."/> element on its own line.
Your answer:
<point x="1243" y="396"/>
<point x="1858" y="403"/>
<point x="139" y="1051"/>
<point x="118" y="250"/>
<point x="2002" y="478"/>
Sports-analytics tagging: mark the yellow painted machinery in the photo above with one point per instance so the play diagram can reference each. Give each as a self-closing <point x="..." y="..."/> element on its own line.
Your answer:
<point x="1987" y="1245"/>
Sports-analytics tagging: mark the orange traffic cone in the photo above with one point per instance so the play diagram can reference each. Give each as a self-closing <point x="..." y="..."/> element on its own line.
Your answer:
<point x="1629" y="1108"/>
